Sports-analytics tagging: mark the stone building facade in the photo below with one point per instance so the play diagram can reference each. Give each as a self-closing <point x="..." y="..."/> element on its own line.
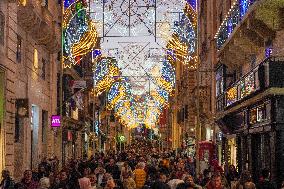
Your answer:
<point x="30" y="42"/>
<point x="248" y="84"/>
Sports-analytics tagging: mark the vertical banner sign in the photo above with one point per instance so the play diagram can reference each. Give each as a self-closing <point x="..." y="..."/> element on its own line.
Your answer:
<point x="55" y="121"/>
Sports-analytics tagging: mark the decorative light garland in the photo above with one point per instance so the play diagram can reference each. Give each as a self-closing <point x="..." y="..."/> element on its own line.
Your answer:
<point x="79" y="32"/>
<point x="105" y="74"/>
<point x="234" y="16"/>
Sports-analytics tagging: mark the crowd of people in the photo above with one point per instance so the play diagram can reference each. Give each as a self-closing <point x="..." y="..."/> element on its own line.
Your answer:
<point x="138" y="166"/>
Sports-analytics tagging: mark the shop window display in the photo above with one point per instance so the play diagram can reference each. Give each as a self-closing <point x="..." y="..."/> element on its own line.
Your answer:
<point x="259" y="114"/>
<point x="232" y="96"/>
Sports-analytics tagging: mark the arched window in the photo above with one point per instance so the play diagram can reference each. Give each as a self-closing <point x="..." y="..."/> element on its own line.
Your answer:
<point x="2" y="26"/>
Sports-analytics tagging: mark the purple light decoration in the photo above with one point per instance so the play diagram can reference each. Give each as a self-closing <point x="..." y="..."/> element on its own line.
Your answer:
<point x="67" y="3"/>
<point x="55" y="121"/>
<point x="230" y="26"/>
<point x="193" y="3"/>
<point x="96" y="53"/>
<point x="244" y="6"/>
<point x="268" y="52"/>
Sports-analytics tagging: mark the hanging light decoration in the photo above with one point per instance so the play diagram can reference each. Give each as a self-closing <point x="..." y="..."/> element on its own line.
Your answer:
<point x="79" y="32"/>
<point x="119" y="90"/>
<point x="105" y="74"/>
<point x="182" y="47"/>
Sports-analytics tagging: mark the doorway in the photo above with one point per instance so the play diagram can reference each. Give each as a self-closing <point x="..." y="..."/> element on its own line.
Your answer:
<point x="34" y="136"/>
<point x="256" y="156"/>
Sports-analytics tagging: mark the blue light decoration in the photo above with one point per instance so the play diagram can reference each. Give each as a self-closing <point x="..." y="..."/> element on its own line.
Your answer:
<point x="96" y="53"/>
<point x="118" y="91"/>
<point x="234" y="17"/>
<point x="168" y="73"/>
<point x="230" y="26"/>
<point x="106" y="72"/>
<point x="67" y="3"/>
<point x="268" y="52"/>
<point x="76" y="27"/>
<point x="193" y="3"/>
<point x="97" y="127"/>
<point x="184" y="40"/>
<point x="165" y="95"/>
<point x="187" y="33"/>
<point x="244" y="6"/>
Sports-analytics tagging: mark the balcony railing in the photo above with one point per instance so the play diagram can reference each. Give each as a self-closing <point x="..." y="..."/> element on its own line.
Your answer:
<point x="231" y="21"/>
<point x="267" y="74"/>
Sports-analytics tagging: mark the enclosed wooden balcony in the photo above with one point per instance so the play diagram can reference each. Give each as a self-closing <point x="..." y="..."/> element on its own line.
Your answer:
<point x="265" y="79"/>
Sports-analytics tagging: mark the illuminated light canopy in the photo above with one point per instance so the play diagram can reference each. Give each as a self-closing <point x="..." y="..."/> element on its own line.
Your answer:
<point x="140" y="86"/>
<point x="79" y="32"/>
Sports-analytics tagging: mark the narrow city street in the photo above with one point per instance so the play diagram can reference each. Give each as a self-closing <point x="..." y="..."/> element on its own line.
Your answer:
<point x="137" y="94"/>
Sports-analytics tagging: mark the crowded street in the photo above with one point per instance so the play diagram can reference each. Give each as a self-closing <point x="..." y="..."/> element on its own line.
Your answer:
<point x="142" y="94"/>
<point x="137" y="166"/>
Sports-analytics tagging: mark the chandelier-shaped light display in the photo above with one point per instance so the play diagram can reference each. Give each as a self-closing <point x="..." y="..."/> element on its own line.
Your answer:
<point x="182" y="48"/>
<point x="141" y="78"/>
<point x="119" y="90"/>
<point x="79" y="32"/>
<point x="105" y="74"/>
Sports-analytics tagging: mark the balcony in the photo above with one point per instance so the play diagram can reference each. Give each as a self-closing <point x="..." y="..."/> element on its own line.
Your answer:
<point x="268" y="74"/>
<point x="251" y="22"/>
<point x="38" y="21"/>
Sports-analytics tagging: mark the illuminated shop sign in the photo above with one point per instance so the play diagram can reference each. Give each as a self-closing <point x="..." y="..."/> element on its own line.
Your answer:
<point x="55" y="121"/>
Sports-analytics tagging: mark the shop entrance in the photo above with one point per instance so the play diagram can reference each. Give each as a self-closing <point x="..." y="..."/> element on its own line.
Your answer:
<point x="256" y="156"/>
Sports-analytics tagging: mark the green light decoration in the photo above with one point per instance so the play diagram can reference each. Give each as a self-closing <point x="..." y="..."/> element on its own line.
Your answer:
<point x="121" y="138"/>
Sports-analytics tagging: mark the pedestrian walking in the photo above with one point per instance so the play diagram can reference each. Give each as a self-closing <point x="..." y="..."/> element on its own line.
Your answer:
<point x="6" y="182"/>
<point x="266" y="183"/>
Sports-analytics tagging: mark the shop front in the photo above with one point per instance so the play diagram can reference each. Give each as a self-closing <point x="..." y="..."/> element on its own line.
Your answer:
<point x="256" y="138"/>
<point x="250" y="114"/>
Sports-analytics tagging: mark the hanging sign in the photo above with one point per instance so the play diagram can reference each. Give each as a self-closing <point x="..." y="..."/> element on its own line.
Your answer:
<point x="78" y="84"/>
<point x="55" y="121"/>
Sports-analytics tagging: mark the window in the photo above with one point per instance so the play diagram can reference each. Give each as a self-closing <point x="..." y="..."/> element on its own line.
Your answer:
<point x="17" y="128"/>
<point x="253" y="116"/>
<point x="44" y="125"/>
<point x="43" y="69"/>
<point x="35" y="59"/>
<point x="259" y="114"/>
<point x="253" y="61"/>
<point x="220" y="80"/>
<point x="19" y="49"/>
<point x="2" y="26"/>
